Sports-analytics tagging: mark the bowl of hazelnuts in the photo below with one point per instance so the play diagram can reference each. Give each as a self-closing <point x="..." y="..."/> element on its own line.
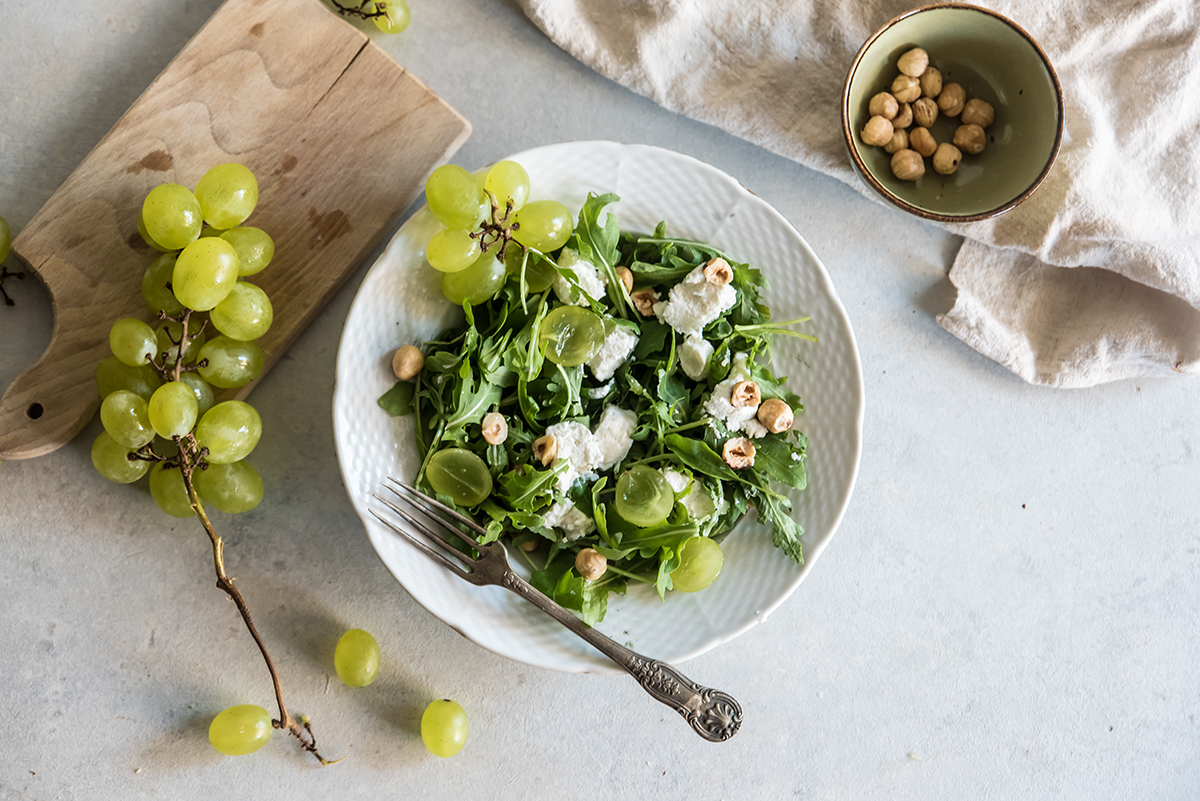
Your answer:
<point x="952" y="112"/>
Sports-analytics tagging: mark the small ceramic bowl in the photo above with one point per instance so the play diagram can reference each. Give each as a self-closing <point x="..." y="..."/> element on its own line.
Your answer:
<point x="993" y="59"/>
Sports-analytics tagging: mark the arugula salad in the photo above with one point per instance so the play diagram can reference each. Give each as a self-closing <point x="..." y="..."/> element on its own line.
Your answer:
<point x="606" y="407"/>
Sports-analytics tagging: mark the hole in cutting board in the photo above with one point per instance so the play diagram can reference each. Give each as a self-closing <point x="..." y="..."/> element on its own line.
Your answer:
<point x="34" y="411"/>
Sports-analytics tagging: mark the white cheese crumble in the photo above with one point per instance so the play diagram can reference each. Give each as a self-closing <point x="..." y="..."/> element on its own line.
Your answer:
<point x="573" y="523"/>
<point x="586" y="452"/>
<point x="616" y="349"/>
<point x="694" y="303"/>
<point x="590" y="281"/>
<point x="698" y="502"/>
<point x="693" y="357"/>
<point x="599" y="392"/>
<point x="737" y="418"/>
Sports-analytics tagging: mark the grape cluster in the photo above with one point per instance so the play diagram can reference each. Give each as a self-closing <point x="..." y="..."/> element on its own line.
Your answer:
<point x="159" y="381"/>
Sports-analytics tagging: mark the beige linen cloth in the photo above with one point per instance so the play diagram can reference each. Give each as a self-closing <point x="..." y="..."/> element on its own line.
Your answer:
<point x="1095" y="278"/>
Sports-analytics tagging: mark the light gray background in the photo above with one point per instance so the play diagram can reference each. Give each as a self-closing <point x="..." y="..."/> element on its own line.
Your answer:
<point x="1006" y="612"/>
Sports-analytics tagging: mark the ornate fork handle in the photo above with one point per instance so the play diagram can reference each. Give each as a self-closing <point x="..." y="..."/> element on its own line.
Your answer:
<point x="715" y="715"/>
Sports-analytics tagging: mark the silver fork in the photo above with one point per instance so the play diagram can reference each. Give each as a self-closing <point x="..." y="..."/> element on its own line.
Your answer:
<point x="715" y="715"/>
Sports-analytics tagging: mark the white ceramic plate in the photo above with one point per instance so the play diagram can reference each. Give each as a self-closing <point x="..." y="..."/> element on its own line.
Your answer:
<point x="400" y="302"/>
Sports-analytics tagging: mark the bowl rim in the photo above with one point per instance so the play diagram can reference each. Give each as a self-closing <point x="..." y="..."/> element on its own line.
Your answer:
<point x="865" y="173"/>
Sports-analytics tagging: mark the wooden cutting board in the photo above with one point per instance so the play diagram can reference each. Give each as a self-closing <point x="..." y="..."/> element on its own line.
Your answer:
<point x="340" y="137"/>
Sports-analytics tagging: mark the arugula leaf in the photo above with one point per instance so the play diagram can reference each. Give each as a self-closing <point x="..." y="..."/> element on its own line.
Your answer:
<point x="775" y="458"/>
<point x="398" y="401"/>
<point x="699" y="457"/>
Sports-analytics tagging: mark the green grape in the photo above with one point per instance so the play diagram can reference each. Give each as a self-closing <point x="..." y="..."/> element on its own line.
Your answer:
<point x="205" y="273"/>
<point x="169" y="332"/>
<point x="227" y="194"/>
<point x="479" y="282"/>
<point x="539" y="273"/>
<point x="233" y="488"/>
<point x="571" y="335"/>
<point x="455" y="198"/>
<point x="173" y="409"/>
<point x="508" y="181"/>
<point x="155" y="292"/>
<point x="254" y="248"/>
<point x="112" y="375"/>
<point x="452" y="250"/>
<point x="460" y="474"/>
<point x="245" y="314"/>
<point x="145" y="235"/>
<point x="229" y="430"/>
<point x="201" y="389"/>
<point x="545" y="225"/>
<point x="169" y="492"/>
<point x="444" y="727"/>
<point x="171" y="217"/>
<point x="111" y="460"/>
<point x="126" y="418"/>
<point x="644" y="497"/>
<point x="397" y="15"/>
<point x="356" y="658"/>
<point x="5" y="239"/>
<point x="230" y="362"/>
<point x="132" y="341"/>
<point x="240" y="730"/>
<point x="700" y="561"/>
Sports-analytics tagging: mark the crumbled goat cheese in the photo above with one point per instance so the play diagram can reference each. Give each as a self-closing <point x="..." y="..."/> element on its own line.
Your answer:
<point x="698" y="502"/>
<point x="586" y="452"/>
<point x="573" y="523"/>
<point x="616" y="349"/>
<point x="590" y="281"/>
<point x="737" y="418"/>
<point x="694" y="303"/>
<point x="693" y="357"/>
<point x="614" y="435"/>
<point x="599" y="392"/>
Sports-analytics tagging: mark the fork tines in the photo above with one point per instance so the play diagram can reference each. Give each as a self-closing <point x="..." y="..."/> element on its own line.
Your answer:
<point x="431" y="509"/>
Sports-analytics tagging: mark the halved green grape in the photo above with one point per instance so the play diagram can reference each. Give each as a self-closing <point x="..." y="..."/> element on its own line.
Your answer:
<point x="112" y="375"/>
<point x="700" y="561"/>
<point x="451" y="250"/>
<point x="455" y="198"/>
<point x="539" y="273"/>
<point x="173" y="409"/>
<point x="255" y="248"/>
<point x="205" y="273"/>
<point x="228" y="194"/>
<point x="356" y="658"/>
<point x="171" y="216"/>
<point x="233" y="488"/>
<point x="132" y="341"/>
<point x="444" y="727"/>
<point x="479" y="282"/>
<point x="155" y="290"/>
<point x="571" y="335"/>
<point x="145" y="235"/>
<point x="126" y="418"/>
<point x="397" y="16"/>
<point x="229" y="430"/>
<point x="240" y="730"/>
<point x="230" y="362"/>
<point x="245" y="314"/>
<point x="5" y="239"/>
<point x="169" y="492"/>
<point x="508" y="180"/>
<point x="111" y="460"/>
<point x="460" y="474"/>
<point x="545" y="225"/>
<point x="201" y="389"/>
<point x="644" y="497"/>
<point x="169" y="332"/>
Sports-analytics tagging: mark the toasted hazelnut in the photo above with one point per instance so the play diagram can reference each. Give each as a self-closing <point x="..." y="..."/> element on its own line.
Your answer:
<point x="978" y="112"/>
<point x="718" y="272"/>
<point x="626" y="277"/>
<point x="925" y="112"/>
<point x="922" y="141"/>
<point x="907" y="165"/>
<point x="407" y="362"/>
<point x="495" y="428"/>
<point x="529" y="546"/>
<point x="906" y="88"/>
<point x="883" y="105"/>
<point x="878" y="131"/>
<point x="952" y="99"/>
<point x="904" y="116"/>
<point x="745" y="393"/>
<point x="545" y="449"/>
<point x="738" y="452"/>
<point x="775" y="415"/>
<point x="970" y="139"/>
<point x="931" y="82"/>
<point x="913" y="63"/>
<point x="590" y="564"/>
<point x="899" y="142"/>
<point x="644" y="300"/>
<point x="946" y="158"/>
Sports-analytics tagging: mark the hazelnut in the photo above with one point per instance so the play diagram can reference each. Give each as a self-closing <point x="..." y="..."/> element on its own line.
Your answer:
<point x="904" y="116"/>
<point x="913" y="63"/>
<point x="952" y="99"/>
<point x="978" y="112"/>
<point x="407" y="362"/>
<point x="718" y="272"/>
<point x="626" y="277"/>
<point x="590" y="564"/>
<point x="495" y="428"/>
<point x="906" y="88"/>
<point x="907" y="165"/>
<point x="738" y="452"/>
<point x="545" y="449"/>
<point x="946" y="158"/>
<point x="922" y="141"/>
<point x="877" y="131"/>
<point x="925" y="112"/>
<point x="644" y="300"/>
<point x="931" y="82"/>
<point x="970" y="139"/>
<point x="883" y="105"/>
<point x="529" y="546"/>
<point x="899" y="142"/>
<point x="775" y="415"/>
<point x="745" y="393"/>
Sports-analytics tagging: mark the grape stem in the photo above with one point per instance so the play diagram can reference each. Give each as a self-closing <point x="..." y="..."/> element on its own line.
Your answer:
<point x="351" y="11"/>
<point x="4" y="273"/>
<point x="496" y="228"/>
